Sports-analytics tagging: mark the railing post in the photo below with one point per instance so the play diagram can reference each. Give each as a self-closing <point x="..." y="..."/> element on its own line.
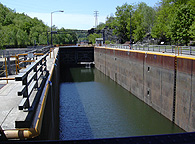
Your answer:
<point x="172" y="48"/>
<point x="178" y="50"/>
<point x="16" y="64"/>
<point x="50" y="52"/>
<point x="8" y="65"/>
<point x="25" y="82"/>
<point x="45" y="63"/>
<point x="3" y="53"/>
<point x="165" y="48"/>
<point x="190" y="50"/>
<point x="175" y="50"/>
<point x="53" y="53"/>
<point x="25" y="58"/>
<point x="6" y="68"/>
<point x="35" y="77"/>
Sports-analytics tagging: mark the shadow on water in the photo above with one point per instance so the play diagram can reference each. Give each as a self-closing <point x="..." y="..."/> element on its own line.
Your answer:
<point x="94" y="106"/>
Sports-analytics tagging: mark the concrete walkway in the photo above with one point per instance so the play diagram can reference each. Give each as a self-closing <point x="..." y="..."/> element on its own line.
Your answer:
<point x="9" y="100"/>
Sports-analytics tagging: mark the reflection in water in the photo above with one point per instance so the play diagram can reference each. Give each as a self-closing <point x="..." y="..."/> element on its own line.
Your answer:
<point x="94" y="106"/>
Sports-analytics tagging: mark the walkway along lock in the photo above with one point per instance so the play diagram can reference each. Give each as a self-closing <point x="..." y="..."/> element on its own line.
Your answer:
<point x="35" y="85"/>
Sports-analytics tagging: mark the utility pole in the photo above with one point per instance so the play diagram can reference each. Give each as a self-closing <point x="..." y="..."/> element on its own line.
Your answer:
<point x="96" y="18"/>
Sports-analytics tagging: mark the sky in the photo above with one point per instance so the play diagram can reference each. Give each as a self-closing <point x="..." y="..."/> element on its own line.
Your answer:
<point x="77" y="14"/>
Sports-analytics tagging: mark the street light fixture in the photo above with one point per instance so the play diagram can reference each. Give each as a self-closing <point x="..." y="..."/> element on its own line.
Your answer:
<point x="51" y="23"/>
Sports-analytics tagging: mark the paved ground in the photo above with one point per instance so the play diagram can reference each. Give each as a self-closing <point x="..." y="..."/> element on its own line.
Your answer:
<point x="9" y="100"/>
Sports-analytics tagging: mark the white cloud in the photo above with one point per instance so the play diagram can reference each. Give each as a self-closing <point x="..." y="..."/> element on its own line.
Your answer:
<point x="68" y="21"/>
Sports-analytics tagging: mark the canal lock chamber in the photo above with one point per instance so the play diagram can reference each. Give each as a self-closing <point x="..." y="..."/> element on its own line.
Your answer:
<point x="83" y="103"/>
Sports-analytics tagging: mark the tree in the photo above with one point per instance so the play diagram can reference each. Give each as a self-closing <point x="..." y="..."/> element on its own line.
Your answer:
<point x="100" y="26"/>
<point x="121" y="22"/>
<point x="18" y="29"/>
<point x="164" y="14"/>
<point x="110" y="22"/>
<point x="22" y="38"/>
<point x="192" y="31"/>
<point x="143" y="18"/>
<point x="181" y="24"/>
<point x="92" y="37"/>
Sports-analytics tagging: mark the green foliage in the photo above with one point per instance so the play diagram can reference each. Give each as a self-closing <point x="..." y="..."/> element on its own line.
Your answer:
<point x="110" y="22"/>
<point x="143" y="19"/>
<point x="109" y="42"/>
<point x="160" y="29"/>
<point x="170" y="21"/>
<point x="121" y="22"/>
<point x="100" y="26"/>
<point x="181" y="24"/>
<point x="192" y="31"/>
<point x="173" y="21"/>
<point x="19" y="30"/>
<point x="65" y="36"/>
<point x="92" y="37"/>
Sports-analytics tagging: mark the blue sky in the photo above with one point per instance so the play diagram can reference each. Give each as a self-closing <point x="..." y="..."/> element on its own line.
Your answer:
<point x="77" y="14"/>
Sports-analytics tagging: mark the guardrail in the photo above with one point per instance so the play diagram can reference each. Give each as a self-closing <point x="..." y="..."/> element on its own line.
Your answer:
<point x="188" y="50"/>
<point x="15" y="62"/>
<point x="16" y="51"/>
<point x="30" y="78"/>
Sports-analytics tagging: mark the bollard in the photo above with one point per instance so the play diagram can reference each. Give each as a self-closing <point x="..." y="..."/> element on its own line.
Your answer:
<point x="16" y="64"/>
<point x="50" y="52"/>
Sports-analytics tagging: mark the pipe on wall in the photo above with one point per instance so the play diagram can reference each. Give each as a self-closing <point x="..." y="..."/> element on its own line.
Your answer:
<point x="27" y="133"/>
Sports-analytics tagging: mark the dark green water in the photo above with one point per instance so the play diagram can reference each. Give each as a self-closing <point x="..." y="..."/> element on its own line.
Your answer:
<point x="94" y="106"/>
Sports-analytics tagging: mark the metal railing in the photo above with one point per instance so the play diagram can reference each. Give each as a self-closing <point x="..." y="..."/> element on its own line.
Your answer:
<point x="187" y="50"/>
<point x="16" y="51"/>
<point x="11" y="63"/>
<point x="30" y="78"/>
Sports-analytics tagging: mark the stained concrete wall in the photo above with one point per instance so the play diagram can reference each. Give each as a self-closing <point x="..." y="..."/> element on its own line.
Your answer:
<point x="50" y="124"/>
<point x="185" y="92"/>
<point x="152" y="78"/>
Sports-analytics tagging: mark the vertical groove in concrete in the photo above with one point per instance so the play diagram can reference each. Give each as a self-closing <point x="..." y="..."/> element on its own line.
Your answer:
<point x="143" y="80"/>
<point x="190" y="106"/>
<point x="174" y="92"/>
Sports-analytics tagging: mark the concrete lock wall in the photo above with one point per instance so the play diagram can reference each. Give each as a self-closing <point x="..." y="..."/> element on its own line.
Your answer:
<point x="163" y="81"/>
<point x="50" y="124"/>
<point x="185" y="93"/>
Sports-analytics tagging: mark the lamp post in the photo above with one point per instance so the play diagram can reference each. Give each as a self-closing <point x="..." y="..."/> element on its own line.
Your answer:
<point x="51" y="24"/>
